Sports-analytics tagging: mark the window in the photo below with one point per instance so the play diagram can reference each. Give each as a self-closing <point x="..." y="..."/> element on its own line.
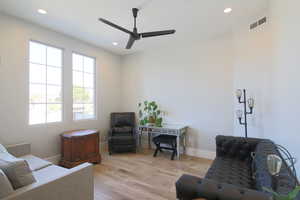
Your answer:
<point x="83" y="87"/>
<point x="45" y="84"/>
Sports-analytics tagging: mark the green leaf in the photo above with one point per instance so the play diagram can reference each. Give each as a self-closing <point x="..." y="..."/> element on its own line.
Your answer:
<point x="142" y="122"/>
<point x="292" y="195"/>
<point x="158" y="122"/>
<point x="158" y="112"/>
<point x="146" y="103"/>
<point x="270" y="191"/>
<point x="139" y="104"/>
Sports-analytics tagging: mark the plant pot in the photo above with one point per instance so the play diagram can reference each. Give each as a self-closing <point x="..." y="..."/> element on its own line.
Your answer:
<point x="151" y="120"/>
<point x="150" y="124"/>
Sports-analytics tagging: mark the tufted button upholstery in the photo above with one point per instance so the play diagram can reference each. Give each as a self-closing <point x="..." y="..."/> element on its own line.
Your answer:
<point x="236" y="175"/>
<point x="190" y="187"/>
<point x="226" y="170"/>
<point x="236" y="147"/>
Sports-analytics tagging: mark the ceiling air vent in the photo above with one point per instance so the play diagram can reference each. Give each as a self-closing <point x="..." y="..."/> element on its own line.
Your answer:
<point x="258" y="23"/>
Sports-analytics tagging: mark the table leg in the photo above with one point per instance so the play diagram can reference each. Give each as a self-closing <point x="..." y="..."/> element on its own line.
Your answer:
<point x="184" y="143"/>
<point x="178" y="146"/>
<point x="140" y="139"/>
<point x="149" y="140"/>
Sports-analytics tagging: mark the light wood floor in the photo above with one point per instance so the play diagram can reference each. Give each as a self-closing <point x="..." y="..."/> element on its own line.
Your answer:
<point x="142" y="177"/>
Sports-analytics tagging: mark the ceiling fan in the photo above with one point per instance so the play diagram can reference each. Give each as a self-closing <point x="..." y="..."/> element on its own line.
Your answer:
<point x="134" y="35"/>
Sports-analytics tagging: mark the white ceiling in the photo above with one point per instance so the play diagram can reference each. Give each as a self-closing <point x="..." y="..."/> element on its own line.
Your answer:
<point x="193" y="19"/>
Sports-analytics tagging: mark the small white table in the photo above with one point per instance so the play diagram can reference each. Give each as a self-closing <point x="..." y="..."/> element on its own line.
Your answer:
<point x="167" y="129"/>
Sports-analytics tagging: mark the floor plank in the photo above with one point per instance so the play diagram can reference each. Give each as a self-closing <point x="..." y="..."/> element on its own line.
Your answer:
<point x="132" y="176"/>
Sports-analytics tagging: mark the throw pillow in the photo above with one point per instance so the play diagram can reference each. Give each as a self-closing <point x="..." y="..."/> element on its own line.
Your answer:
<point x="5" y="186"/>
<point x="17" y="172"/>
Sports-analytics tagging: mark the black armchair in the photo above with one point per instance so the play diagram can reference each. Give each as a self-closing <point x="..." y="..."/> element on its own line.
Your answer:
<point x="122" y="136"/>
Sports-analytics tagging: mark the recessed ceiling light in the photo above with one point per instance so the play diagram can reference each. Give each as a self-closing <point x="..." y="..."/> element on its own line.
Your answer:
<point x="115" y="43"/>
<point x="227" y="10"/>
<point x="42" y="11"/>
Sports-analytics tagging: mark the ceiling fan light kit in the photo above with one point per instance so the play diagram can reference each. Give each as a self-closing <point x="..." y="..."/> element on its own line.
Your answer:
<point x="134" y="35"/>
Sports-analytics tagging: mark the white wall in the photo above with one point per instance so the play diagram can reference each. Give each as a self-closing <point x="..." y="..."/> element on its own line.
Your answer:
<point x="267" y="63"/>
<point x="14" y="37"/>
<point x="192" y="83"/>
<point x="284" y="123"/>
<point x="252" y="71"/>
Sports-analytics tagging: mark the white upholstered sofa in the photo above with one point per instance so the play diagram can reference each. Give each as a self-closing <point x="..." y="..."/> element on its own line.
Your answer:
<point x="53" y="182"/>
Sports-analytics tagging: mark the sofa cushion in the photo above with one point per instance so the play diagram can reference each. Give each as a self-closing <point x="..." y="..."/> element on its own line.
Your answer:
<point x="123" y="140"/>
<point x="2" y="149"/>
<point x="8" y="157"/>
<point x="17" y="172"/>
<point x="36" y="163"/>
<point x="230" y="171"/>
<point x="49" y="173"/>
<point x="124" y="129"/>
<point x="236" y="147"/>
<point x="5" y="186"/>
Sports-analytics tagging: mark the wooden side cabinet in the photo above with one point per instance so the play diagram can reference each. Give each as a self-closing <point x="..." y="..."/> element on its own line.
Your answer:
<point x="78" y="147"/>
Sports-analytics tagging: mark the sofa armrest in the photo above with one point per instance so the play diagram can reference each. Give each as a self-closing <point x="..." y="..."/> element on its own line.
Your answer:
<point x="191" y="187"/>
<point x="76" y="184"/>
<point x="19" y="150"/>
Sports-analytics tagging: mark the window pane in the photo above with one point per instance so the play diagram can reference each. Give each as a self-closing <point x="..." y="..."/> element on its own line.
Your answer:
<point x="88" y="111"/>
<point x="89" y="65"/>
<point x="83" y="95"/>
<point x="54" y="112"/>
<point x="37" y="113"/>
<point x="77" y="62"/>
<point x="37" y="73"/>
<point x="78" y="94"/>
<point x="77" y="79"/>
<point x="53" y="94"/>
<point x="78" y="111"/>
<point x="83" y="87"/>
<point x="37" y="93"/>
<point x="54" y="57"/>
<point x="88" y="80"/>
<point x="54" y="75"/>
<point x="45" y="89"/>
<point x="90" y="96"/>
<point x="37" y="53"/>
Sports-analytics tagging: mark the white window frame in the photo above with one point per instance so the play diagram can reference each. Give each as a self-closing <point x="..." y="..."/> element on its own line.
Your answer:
<point x="95" y="87"/>
<point x="46" y="84"/>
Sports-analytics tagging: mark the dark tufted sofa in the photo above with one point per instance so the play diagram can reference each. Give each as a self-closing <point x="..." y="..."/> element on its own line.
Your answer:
<point x="239" y="172"/>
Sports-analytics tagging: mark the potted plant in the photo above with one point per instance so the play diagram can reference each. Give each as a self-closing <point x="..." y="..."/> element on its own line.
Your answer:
<point x="290" y="196"/>
<point x="150" y="114"/>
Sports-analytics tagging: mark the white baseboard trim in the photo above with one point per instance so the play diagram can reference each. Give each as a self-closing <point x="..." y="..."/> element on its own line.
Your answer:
<point x="53" y="159"/>
<point x="201" y="153"/>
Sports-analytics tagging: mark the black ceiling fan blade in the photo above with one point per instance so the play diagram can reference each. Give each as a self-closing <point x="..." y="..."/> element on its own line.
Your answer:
<point x="130" y="42"/>
<point x="157" y="33"/>
<point x="114" y="25"/>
